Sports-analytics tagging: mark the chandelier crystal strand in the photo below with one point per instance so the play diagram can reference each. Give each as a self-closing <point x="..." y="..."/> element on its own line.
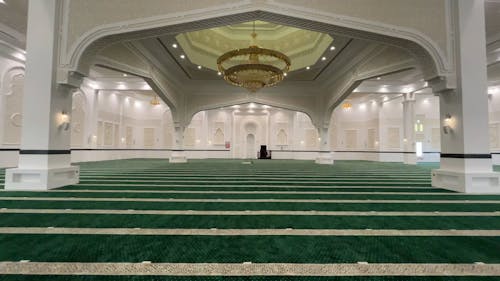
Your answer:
<point x="253" y="68"/>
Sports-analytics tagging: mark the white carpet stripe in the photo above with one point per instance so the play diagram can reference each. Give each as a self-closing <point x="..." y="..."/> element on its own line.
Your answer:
<point x="246" y="192"/>
<point x="247" y="232"/>
<point x="218" y="200"/>
<point x="247" y="213"/>
<point x="263" y="171"/>
<point x="250" y="269"/>
<point x="257" y="186"/>
<point x="368" y="181"/>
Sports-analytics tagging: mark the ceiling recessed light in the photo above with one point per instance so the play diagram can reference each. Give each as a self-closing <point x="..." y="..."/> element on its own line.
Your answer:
<point x="308" y="67"/>
<point x="332" y="48"/>
<point x="378" y="78"/>
<point x="125" y="75"/>
<point x="174" y="46"/>
<point x="2" y="1"/>
<point x="199" y="66"/>
<point x="285" y="74"/>
<point x="219" y="73"/>
<point x="323" y="58"/>
<point x="183" y="56"/>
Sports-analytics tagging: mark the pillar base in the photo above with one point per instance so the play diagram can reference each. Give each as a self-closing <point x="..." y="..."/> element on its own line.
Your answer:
<point x="467" y="182"/>
<point x="178" y="156"/>
<point x="324" y="158"/>
<point x="468" y="175"/>
<point x="410" y="158"/>
<point x="41" y="179"/>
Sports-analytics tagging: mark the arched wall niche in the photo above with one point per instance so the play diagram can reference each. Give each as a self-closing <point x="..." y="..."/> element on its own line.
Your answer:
<point x="282" y="137"/>
<point x="251" y="135"/>
<point x="219" y="136"/>
<point x="250" y="127"/>
<point x="78" y="115"/>
<point x="432" y="58"/>
<point x="12" y="103"/>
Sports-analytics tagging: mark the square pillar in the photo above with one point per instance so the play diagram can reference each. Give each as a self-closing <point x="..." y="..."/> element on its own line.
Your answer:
<point x="466" y="164"/>
<point x="324" y="155"/>
<point x="178" y="154"/>
<point x="409" y="154"/>
<point x="45" y="155"/>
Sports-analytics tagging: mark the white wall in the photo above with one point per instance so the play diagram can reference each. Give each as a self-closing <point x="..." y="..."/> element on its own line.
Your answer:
<point x="373" y="129"/>
<point x="100" y="120"/>
<point x="278" y="129"/>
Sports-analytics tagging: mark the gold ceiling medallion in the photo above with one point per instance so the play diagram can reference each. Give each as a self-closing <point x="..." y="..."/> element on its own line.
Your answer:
<point x="155" y="101"/>
<point x="253" y="68"/>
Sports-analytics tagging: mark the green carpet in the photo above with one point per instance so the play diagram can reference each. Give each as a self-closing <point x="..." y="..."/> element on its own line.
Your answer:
<point x="153" y="177"/>
<point x="257" y="249"/>
<point x="214" y="206"/>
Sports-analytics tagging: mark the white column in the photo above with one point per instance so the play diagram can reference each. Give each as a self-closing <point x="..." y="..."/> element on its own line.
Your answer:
<point x="93" y="119"/>
<point x="205" y="133"/>
<point x="465" y="156"/>
<point x="325" y="154"/>
<point x="45" y="155"/>
<point x="408" y="129"/>
<point x="121" y="125"/>
<point x="178" y="154"/>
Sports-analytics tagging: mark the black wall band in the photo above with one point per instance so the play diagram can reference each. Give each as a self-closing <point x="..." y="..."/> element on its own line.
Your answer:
<point x="44" y="152"/>
<point x="100" y="149"/>
<point x="373" y="151"/>
<point x="466" y="156"/>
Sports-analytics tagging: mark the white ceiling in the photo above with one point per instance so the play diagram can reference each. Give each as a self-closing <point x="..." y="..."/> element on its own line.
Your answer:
<point x="13" y="22"/>
<point x="492" y="10"/>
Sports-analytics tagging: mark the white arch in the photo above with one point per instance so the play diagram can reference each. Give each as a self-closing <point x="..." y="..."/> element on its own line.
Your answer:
<point x="436" y="63"/>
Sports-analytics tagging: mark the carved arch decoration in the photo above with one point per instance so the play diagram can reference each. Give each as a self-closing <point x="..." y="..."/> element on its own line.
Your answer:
<point x="219" y="137"/>
<point x="78" y="118"/>
<point x="12" y="103"/>
<point x="433" y="59"/>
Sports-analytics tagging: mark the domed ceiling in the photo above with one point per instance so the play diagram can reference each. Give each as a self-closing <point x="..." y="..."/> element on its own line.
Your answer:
<point x="303" y="47"/>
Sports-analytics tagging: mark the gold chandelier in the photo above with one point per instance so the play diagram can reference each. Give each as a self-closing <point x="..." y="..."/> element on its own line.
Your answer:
<point x="155" y="101"/>
<point x="253" y="68"/>
<point x="346" y="105"/>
